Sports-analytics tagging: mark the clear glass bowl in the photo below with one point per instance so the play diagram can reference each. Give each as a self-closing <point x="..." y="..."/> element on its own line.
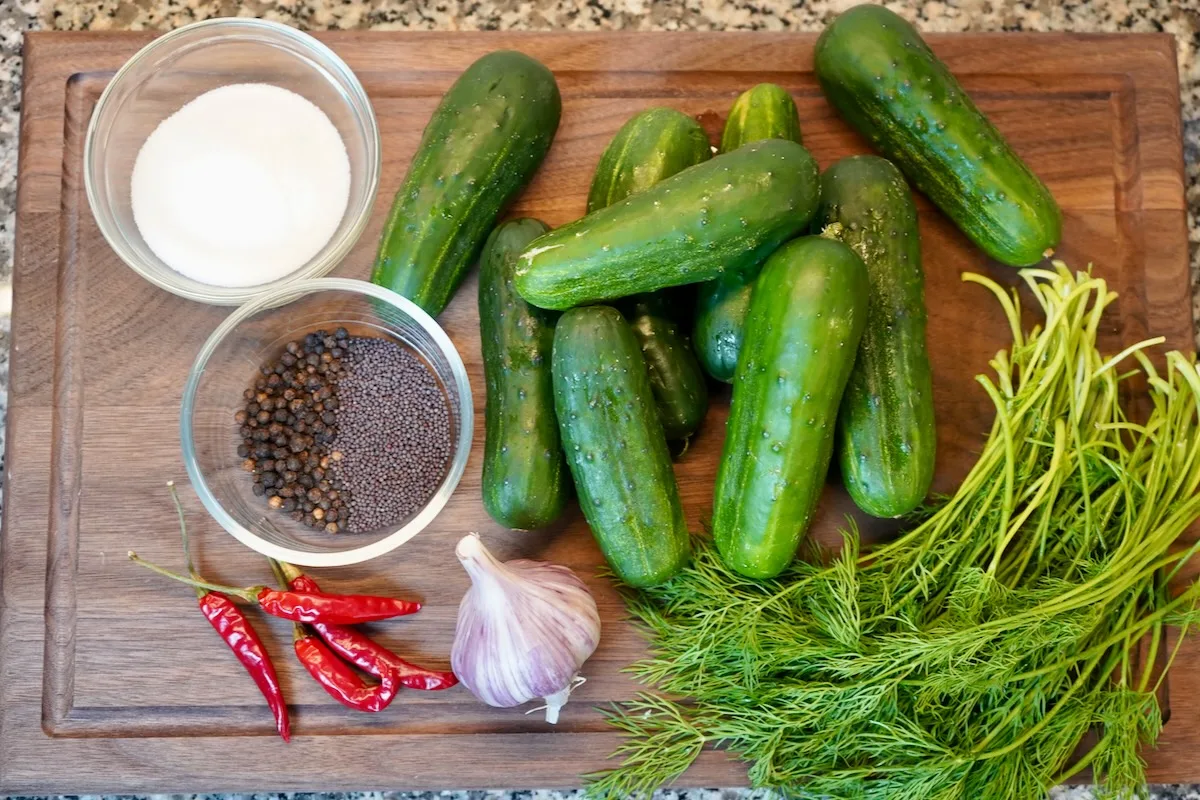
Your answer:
<point x="228" y="364"/>
<point x="183" y="64"/>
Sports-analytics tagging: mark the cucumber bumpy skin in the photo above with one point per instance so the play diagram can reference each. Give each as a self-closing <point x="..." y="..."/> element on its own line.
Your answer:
<point x="765" y="111"/>
<point x="807" y="314"/>
<point x="886" y="433"/>
<point x="481" y="147"/>
<point x="525" y="483"/>
<point x="709" y="219"/>
<point x="616" y="448"/>
<point x="877" y="71"/>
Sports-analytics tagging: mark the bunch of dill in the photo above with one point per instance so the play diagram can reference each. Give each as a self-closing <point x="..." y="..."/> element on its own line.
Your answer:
<point x="969" y="657"/>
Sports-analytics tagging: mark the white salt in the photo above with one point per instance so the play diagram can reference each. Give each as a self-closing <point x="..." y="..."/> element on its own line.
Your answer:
<point x="241" y="186"/>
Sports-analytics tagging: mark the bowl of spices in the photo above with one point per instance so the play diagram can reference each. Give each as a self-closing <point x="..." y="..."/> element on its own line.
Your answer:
<point x="230" y="157"/>
<point x="327" y="422"/>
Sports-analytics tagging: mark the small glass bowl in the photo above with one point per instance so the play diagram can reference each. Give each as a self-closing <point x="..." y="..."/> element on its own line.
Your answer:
<point x="229" y="363"/>
<point x="185" y="63"/>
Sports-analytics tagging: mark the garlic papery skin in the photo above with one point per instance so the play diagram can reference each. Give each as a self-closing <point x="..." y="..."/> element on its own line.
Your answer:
<point x="524" y="629"/>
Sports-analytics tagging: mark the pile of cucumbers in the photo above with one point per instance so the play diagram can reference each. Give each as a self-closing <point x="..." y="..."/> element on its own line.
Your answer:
<point x="804" y="290"/>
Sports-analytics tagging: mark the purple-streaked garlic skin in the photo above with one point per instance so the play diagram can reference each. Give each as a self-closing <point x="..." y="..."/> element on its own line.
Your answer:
<point x="524" y="629"/>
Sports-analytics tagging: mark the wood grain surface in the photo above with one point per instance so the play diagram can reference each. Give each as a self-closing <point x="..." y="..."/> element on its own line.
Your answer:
<point x="109" y="679"/>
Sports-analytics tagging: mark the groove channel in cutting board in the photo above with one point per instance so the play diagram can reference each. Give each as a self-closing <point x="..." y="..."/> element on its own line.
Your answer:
<point x="111" y="682"/>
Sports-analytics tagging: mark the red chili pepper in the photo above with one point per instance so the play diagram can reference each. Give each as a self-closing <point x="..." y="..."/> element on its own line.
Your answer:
<point x="363" y="651"/>
<point x="340" y="681"/>
<point x="235" y="630"/>
<point x="338" y="609"/>
<point x="232" y="626"/>
<point x="367" y="654"/>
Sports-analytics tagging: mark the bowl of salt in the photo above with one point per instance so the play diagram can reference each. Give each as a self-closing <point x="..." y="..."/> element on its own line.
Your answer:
<point x="230" y="157"/>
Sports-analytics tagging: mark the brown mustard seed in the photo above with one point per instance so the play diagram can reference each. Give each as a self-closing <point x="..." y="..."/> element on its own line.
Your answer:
<point x="393" y="434"/>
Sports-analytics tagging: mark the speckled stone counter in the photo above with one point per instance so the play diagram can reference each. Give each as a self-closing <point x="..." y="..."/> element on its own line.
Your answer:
<point x="1178" y="17"/>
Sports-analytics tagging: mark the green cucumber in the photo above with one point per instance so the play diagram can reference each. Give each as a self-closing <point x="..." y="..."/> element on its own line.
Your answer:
<point x="525" y="481"/>
<point x="877" y="71"/>
<point x="766" y="111"/>
<point x="886" y="436"/>
<point x="721" y="308"/>
<point x="616" y="448"/>
<point x="680" y="390"/>
<point x="480" y="148"/>
<point x="807" y="314"/>
<point x="649" y="148"/>
<point x="718" y="216"/>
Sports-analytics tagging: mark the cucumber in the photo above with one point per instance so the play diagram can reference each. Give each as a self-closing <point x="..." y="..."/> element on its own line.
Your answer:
<point x="616" y="448"/>
<point x="885" y="81"/>
<point x="718" y="216"/>
<point x="721" y="307"/>
<point x="766" y="111"/>
<point x="680" y="391"/>
<point x="525" y="482"/>
<point x="649" y="148"/>
<point x="807" y="314"/>
<point x="482" y="145"/>
<point x="652" y="146"/>
<point x="886" y="436"/>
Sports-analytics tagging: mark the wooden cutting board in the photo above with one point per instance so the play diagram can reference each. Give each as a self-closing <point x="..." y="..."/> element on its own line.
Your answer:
<point x="109" y="679"/>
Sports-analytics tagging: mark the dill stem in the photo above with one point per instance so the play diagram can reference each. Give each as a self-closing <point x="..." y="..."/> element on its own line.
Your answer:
<point x="1060" y="436"/>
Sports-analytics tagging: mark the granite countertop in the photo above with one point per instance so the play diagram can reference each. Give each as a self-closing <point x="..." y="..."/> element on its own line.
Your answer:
<point x="1178" y="17"/>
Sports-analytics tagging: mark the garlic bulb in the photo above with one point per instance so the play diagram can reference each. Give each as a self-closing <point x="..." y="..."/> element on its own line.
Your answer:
<point x="524" y="629"/>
